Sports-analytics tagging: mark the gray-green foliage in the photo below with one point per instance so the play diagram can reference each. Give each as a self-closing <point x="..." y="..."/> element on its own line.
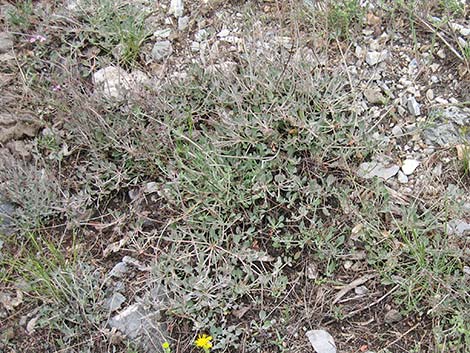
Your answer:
<point x="249" y="168"/>
<point x="116" y="27"/>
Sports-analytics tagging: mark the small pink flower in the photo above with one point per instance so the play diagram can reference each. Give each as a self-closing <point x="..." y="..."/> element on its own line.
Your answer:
<point x="56" y="88"/>
<point x="36" y="38"/>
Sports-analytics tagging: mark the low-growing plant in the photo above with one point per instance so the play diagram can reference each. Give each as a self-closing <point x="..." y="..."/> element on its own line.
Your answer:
<point x="343" y="15"/>
<point x="21" y="14"/>
<point x="118" y="28"/>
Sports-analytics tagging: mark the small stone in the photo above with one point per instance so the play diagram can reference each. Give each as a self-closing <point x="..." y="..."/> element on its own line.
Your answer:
<point x="397" y="131"/>
<point x="430" y="94"/>
<point x="161" y="50"/>
<point x="6" y="42"/>
<point x="183" y="23"/>
<point x="458" y="227"/>
<point x="348" y="264"/>
<point x="413" y="67"/>
<point x="223" y="33"/>
<point x="176" y="8"/>
<point x="369" y="170"/>
<point x="141" y="325"/>
<point x="312" y="271"/>
<point x="466" y="270"/>
<point x="129" y="321"/>
<point x="361" y="290"/>
<point x="201" y="35"/>
<point x="458" y="116"/>
<point x="409" y="166"/>
<point x="195" y="47"/>
<point x="402" y="178"/>
<point x="162" y="33"/>
<point x="151" y="187"/>
<point x="115" y="302"/>
<point x="393" y="316"/>
<point x="135" y="263"/>
<point x="374" y="96"/>
<point x="359" y="52"/>
<point x="321" y="341"/>
<point x="119" y="270"/>
<point x="441" y="53"/>
<point x="7" y="211"/>
<point x="413" y="106"/>
<point x="375" y="57"/>
<point x="465" y="31"/>
<point x="463" y="43"/>
<point x="112" y="82"/>
<point x="401" y="110"/>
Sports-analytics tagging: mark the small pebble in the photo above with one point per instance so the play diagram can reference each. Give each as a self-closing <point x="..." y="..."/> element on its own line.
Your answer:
<point x="402" y="178"/>
<point x="409" y="166"/>
<point x="393" y="316"/>
<point x="430" y="94"/>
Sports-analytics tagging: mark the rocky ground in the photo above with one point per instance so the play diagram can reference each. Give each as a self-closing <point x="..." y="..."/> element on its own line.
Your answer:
<point x="285" y="176"/>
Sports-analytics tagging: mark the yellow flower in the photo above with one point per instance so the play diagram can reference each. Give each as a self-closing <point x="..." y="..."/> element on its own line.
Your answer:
<point x="165" y="345"/>
<point x="204" y="342"/>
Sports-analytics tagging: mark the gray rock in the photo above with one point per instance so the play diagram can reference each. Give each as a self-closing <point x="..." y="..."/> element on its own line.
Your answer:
<point x="397" y="131"/>
<point x="6" y="213"/>
<point x="369" y="170"/>
<point x="115" y="83"/>
<point x="195" y="47"/>
<point x="128" y="260"/>
<point x="447" y="130"/>
<point x="151" y="187"/>
<point x="312" y="271"/>
<point x="413" y="67"/>
<point x="465" y="31"/>
<point x="223" y="33"/>
<point x="119" y="270"/>
<point x="141" y="325"/>
<point x="6" y="42"/>
<point x="442" y="134"/>
<point x="183" y="23"/>
<point x="161" y="50"/>
<point x="466" y="270"/>
<point x="321" y="341"/>
<point x="393" y="316"/>
<point x="402" y="178"/>
<point x="115" y="302"/>
<point x="413" y="106"/>
<point x="201" y="35"/>
<point x="374" y="95"/>
<point x="375" y="57"/>
<point x="456" y="115"/>
<point x="162" y="33"/>
<point x="361" y="290"/>
<point x="176" y="8"/>
<point x="430" y="94"/>
<point x="458" y="227"/>
<point x="409" y="166"/>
